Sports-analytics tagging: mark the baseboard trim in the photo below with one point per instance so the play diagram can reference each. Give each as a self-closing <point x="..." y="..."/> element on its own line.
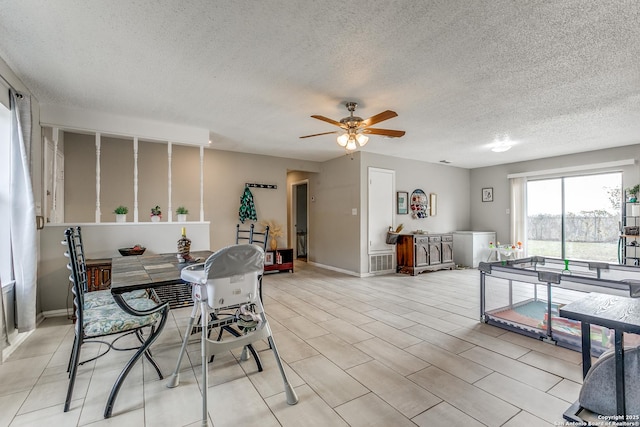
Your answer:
<point x="55" y="313"/>
<point x="339" y="270"/>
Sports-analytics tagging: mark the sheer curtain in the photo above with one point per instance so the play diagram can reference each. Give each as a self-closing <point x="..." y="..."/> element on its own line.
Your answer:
<point x="23" y="215"/>
<point x="4" y="333"/>
<point x="518" y="226"/>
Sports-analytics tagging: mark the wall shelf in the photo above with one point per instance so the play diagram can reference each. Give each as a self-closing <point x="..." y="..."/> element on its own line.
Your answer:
<point x="279" y="260"/>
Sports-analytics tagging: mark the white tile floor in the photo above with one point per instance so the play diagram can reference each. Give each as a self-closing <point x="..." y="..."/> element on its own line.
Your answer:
<point x="392" y="350"/>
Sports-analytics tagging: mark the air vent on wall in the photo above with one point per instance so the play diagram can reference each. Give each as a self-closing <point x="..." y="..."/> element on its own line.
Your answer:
<point x="381" y="263"/>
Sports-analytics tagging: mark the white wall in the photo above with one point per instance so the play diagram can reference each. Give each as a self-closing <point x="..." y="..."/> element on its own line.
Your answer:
<point x="451" y="184"/>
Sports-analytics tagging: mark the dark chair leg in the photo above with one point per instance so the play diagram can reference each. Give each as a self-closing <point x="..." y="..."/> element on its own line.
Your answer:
<point x="75" y="339"/>
<point x="250" y="346"/>
<point x="123" y="375"/>
<point x="75" y="358"/>
<point x="148" y="354"/>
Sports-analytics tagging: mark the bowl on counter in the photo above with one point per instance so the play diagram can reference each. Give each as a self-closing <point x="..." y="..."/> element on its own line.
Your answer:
<point x="131" y="251"/>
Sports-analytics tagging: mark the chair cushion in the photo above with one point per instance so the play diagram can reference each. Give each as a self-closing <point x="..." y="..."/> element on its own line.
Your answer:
<point x="111" y="319"/>
<point x="100" y="298"/>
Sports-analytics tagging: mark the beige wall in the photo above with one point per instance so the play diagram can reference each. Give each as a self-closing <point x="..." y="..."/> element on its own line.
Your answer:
<point x="336" y="238"/>
<point x="334" y="234"/>
<point x="225" y="175"/>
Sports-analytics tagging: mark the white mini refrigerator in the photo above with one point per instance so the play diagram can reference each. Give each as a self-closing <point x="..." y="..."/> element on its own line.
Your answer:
<point x="472" y="247"/>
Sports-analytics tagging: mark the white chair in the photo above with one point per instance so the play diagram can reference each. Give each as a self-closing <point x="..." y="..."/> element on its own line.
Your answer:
<point x="226" y="285"/>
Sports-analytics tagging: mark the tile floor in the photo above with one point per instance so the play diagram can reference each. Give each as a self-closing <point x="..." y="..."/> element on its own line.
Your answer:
<point x="392" y="350"/>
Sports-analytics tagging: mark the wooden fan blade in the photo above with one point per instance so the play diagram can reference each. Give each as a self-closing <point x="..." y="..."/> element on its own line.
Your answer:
<point x="318" y="134"/>
<point x="328" y="120"/>
<point x="385" y="115"/>
<point x="384" y="132"/>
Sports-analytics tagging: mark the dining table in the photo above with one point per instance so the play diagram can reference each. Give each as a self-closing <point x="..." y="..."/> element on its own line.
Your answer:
<point x="131" y="273"/>
<point x="622" y="315"/>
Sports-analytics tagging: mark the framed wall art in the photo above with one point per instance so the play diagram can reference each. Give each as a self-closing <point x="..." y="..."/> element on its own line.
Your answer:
<point x="402" y="202"/>
<point x="487" y="194"/>
<point x="433" y="199"/>
<point x="268" y="258"/>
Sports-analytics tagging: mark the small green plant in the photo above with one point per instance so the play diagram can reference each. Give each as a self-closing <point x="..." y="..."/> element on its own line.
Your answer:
<point x="156" y="211"/>
<point x="181" y="210"/>
<point x="633" y="191"/>
<point x="121" y="210"/>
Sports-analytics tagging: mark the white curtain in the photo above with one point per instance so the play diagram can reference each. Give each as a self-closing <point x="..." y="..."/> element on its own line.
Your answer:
<point x="23" y="215"/>
<point x="4" y="333"/>
<point x="518" y="226"/>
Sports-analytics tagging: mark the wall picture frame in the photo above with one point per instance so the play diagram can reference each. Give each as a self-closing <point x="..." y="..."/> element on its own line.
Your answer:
<point x="402" y="202"/>
<point x="268" y="258"/>
<point x="487" y="194"/>
<point x="433" y="200"/>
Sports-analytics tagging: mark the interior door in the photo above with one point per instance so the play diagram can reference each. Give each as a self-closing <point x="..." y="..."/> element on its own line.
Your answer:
<point x="381" y="208"/>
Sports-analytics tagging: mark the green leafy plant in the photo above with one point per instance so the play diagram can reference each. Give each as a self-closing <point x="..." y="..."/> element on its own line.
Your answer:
<point x="633" y="191"/>
<point x="156" y="211"/>
<point x="181" y="210"/>
<point x="121" y="210"/>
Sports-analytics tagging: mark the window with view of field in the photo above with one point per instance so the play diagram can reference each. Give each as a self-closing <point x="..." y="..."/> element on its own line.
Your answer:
<point x="575" y="217"/>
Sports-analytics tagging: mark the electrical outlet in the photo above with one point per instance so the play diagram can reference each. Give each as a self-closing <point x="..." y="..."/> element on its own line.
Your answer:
<point x="354" y="211"/>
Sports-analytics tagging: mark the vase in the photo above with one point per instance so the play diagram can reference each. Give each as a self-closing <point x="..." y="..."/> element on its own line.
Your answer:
<point x="274" y="244"/>
<point x="121" y="217"/>
<point x="155" y="218"/>
<point x="182" y="217"/>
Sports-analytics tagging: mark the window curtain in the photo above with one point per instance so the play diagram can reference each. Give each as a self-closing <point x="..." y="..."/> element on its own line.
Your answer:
<point x="518" y="226"/>
<point x="4" y="332"/>
<point x="23" y="215"/>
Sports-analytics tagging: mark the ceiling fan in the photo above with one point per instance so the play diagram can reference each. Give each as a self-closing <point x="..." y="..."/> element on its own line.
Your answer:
<point x="354" y="128"/>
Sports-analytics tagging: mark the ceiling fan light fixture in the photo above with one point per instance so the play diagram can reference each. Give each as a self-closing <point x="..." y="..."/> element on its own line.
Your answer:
<point x="354" y="129"/>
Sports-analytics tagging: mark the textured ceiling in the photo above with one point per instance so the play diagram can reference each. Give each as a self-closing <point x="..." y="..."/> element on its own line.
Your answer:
<point x="556" y="77"/>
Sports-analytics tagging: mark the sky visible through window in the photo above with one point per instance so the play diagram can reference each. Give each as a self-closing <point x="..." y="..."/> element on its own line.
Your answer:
<point x="582" y="193"/>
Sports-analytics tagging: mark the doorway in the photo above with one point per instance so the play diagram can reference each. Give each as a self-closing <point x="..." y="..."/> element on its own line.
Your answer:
<point x="300" y="217"/>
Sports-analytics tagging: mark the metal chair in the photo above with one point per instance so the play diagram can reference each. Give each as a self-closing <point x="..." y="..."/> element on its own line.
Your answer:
<point x="107" y="319"/>
<point x="253" y="237"/>
<point x="226" y="285"/>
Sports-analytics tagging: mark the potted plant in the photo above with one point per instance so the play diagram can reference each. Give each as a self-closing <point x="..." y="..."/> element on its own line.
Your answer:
<point x="156" y="214"/>
<point x="182" y="213"/>
<point x="121" y="213"/>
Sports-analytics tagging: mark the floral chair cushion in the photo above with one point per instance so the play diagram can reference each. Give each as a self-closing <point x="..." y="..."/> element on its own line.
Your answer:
<point x="111" y="319"/>
<point x="100" y="298"/>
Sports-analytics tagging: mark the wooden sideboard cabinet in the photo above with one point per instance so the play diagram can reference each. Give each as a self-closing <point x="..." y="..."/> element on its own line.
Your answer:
<point x="424" y="252"/>
<point x="98" y="274"/>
